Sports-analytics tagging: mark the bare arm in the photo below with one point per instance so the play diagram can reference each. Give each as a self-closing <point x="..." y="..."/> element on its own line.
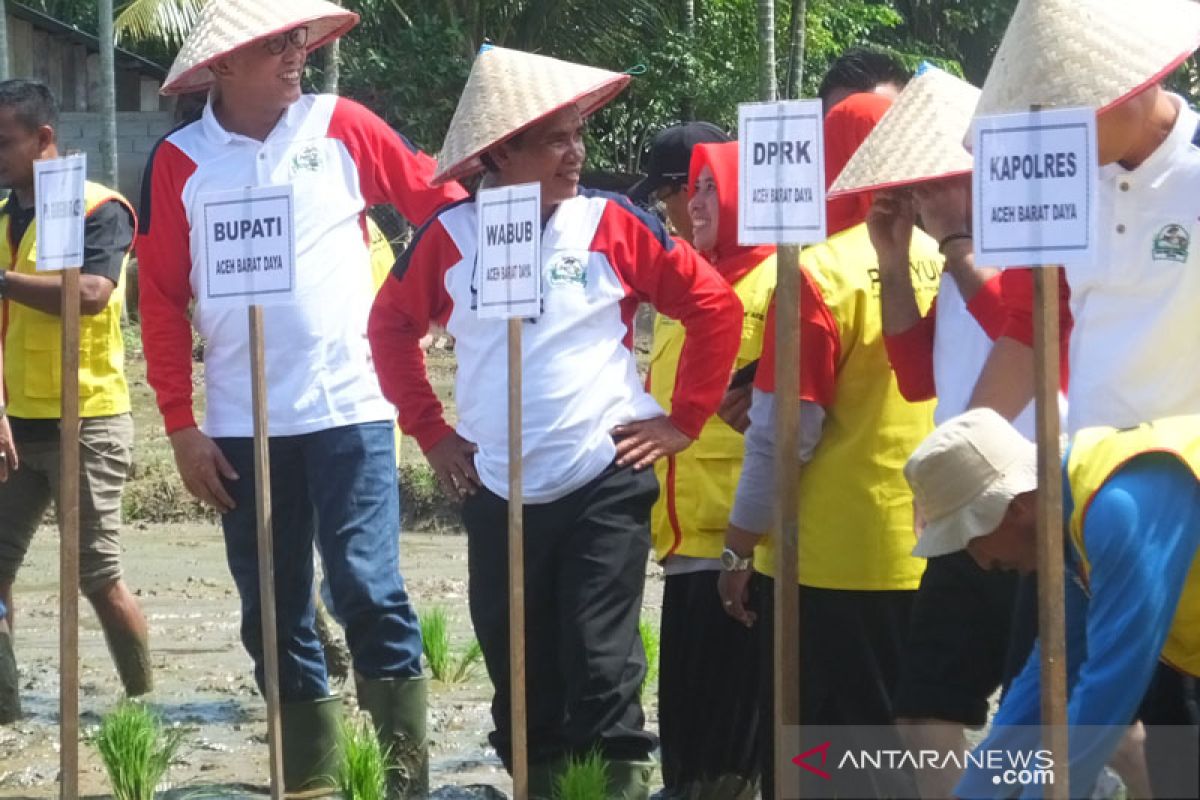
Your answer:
<point x="44" y="292"/>
<point x="890" y="222"/>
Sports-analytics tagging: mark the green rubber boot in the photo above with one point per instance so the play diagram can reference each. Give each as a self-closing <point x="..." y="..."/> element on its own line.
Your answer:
<point x="398" y="708"/>
<point x="10" y="696"/>
<point x="629" y="780"/>
<point x="310" y="746"/>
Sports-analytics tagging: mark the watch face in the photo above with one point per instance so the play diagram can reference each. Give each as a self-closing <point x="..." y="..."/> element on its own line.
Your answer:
<point x="728" y="559"/>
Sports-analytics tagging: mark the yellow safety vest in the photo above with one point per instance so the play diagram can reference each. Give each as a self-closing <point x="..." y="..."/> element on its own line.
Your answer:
<point x="855" y="508"/>
<point x="1099" y="453"/>
<point x="33" y="339"/>
<point x="698" y="484"/>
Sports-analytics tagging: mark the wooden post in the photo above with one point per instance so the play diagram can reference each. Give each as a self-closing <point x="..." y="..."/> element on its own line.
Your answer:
<point x="787" y="476"/>
<point x="68" y="528"/>
<point x="1051" y="589"/>
<point x="266" y="559"/>
<point x="516" y="570"/>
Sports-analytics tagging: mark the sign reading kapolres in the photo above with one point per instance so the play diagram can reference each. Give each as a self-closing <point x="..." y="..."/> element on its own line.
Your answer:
<point x="249" y="246"/>
<point x="782" y="173"/>
<point x="1035" y="187"/>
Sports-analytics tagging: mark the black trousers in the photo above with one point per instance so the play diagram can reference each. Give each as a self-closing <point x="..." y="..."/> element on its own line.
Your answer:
<point x="708" y="695"/>
<point x="851" y="643"/>
<point x="585" y="569"/>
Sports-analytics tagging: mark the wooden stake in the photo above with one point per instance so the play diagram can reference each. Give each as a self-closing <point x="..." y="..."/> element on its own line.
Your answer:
<point x="266" y="559"/>
<point x="787" y="476"/>
<point x="516" y="570"/>
<point x="68" y="528"/>
<point x="1051" y="589"/>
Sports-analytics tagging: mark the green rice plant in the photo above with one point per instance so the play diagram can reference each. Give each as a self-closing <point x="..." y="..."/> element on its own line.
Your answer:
<point x="362" y="771"/>
<point x="445" y="664"/>
<point x="584" y="779"/>
<point x="650" y="643"/>
<point x="136" y="750"/>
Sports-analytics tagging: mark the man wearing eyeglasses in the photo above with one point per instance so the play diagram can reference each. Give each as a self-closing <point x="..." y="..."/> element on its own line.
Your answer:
<point x="332" y="448"/>
<point x="667" y="166"/>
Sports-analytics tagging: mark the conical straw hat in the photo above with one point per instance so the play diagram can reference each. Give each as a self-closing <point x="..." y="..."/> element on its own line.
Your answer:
<point x="1091" y="53"/>
<point x="920" y="138"/>
<point x="226" y="25"/>
<point x="508" y="91"/>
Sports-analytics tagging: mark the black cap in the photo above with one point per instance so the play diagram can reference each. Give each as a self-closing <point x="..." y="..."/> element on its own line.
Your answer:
<point x="671" y="156"/>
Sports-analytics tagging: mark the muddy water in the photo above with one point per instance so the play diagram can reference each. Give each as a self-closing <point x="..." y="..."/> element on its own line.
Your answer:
<point x="202" y="674"/>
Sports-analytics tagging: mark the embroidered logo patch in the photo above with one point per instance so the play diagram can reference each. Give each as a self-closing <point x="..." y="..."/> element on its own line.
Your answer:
<point x="307" y="160"/>
<point x="1171" y="244"/>
<point x="565" y="270"/>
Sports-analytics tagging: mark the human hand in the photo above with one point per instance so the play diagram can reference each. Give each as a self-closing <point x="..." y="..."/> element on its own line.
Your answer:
<point x="202" y="466"/>
<point x="8" y="450"/>
<point x="890" y="222"/>
<point x="453" y="461"/>
<point x="735" y="408"/>
<point x="734" y="589"/>
<point x="644" y="441"/>
<point x="944" y="206"/>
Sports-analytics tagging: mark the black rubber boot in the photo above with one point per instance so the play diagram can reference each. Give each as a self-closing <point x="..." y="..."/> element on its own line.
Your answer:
<point x="310" y="746"/>
<point x="398" y="709"/>
<point x="543" y="779"/>
<point x="10" y="696"/>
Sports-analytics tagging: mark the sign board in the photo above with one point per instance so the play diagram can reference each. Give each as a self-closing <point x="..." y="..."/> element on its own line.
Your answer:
<point x="58" y="192"/>
<point x="1034" y="188"/>
<point x="509" y="264"/>
<point x="248" y="246"/>
<point x="781" y="192"/>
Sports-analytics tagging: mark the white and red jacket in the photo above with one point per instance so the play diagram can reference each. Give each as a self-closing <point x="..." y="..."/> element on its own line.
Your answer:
<point x="340" y="158"/>
<point x="600" y="257"/>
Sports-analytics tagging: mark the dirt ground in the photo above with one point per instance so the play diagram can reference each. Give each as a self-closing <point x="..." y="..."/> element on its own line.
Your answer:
<point x="203" y="675"/>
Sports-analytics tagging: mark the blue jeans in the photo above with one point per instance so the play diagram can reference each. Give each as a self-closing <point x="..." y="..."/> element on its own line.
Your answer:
<point x="338" y="485"/>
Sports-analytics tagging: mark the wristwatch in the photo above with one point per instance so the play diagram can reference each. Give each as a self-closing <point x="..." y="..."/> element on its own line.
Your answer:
<point x="732" y="562"/>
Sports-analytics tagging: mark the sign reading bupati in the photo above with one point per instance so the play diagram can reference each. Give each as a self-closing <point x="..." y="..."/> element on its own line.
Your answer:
<point x="781" y="188"/>
<point x="510" y="251"/>
<point x="59" y="185"/>
<point x="249" y="246"/>
<point x="1035" y="188"/>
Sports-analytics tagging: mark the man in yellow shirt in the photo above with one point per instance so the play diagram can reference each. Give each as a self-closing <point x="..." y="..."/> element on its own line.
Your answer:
<point x="32" y="376"/>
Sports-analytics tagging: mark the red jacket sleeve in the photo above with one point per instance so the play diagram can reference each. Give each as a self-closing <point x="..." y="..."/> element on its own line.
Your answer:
<point x="391" y="170"/>
<point x="911" y="355"/>
<point x="820" y="348"/>
<point x="679" y="283"/>
<point x="987" y="307"/>
<point x="411" y="297"/>
<point x="164" y="270"/>
<point x="1017" y="292"/>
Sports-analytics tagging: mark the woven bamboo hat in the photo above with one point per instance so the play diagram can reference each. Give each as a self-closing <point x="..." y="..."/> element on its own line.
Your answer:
<point x="920" y="138"/>
<point x="227" y="25"/>
<point x="1092" y="53"/>
<point x="507" y="92"/>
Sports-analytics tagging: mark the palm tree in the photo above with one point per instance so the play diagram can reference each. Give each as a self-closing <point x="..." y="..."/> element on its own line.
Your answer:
<point x="166" y="21"/>
<point x="766" y="54"/>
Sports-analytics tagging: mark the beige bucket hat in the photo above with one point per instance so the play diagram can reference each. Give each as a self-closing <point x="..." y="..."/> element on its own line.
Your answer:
<point x="508" y="91"/>
<point x="963" y="477"/>
<point x="920" y="138"/>
<point x="1091" y="53"/>
<point x="226" y="25"/>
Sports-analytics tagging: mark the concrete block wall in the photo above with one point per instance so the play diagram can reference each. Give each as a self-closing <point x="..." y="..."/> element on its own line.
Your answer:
<point x="137" y="133"/>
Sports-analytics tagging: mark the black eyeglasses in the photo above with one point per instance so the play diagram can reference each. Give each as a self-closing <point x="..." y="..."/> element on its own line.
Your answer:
<point x="297" y="37"/>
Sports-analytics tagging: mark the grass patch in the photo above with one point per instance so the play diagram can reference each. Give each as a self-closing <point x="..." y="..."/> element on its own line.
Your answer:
<point x="136" y="750"/>
<point x="155" y="493"/>
<point x="584" y="779"/>
<point x="423" y="504"/>
<point x="650" y="643"/>
<point x="445" y="664"/>
<point x="362" y="771"/>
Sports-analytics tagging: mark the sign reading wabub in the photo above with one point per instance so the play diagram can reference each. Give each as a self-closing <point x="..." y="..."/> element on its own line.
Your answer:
<point x="59" y="186"/>
<point x="510" y="251"/>
<point x="1035" y="188"/>
<point x="248" y="246"/>
<point x="781" y="193"/>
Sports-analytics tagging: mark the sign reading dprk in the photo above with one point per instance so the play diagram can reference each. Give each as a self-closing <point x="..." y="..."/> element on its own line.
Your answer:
<point x="249" y="246"/>
<point x="509" y="266"/>
<point x="1035" y="188"/>
<point x="61" y="209"/>
<point x="781" y="196"/>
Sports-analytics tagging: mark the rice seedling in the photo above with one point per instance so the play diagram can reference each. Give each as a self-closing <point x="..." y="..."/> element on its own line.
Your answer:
<point x="136" y="750"/>
<point x="362" y="771"/>
<point x="650" y="643"/>
<point x="584" y="779"/>
<point x="445" y="664"/>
